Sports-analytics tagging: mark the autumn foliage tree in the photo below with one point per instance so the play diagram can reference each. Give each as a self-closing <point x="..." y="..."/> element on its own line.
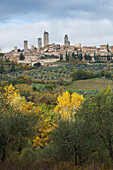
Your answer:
<point x="46" y="118"/>
<point x="17" y="122"/>
<point x="11" y="97"/>
<point x="46" y="124"/>
<point x="68" y="105"/>
<point x="90" y="136"/>
<point x="65" y="109"/>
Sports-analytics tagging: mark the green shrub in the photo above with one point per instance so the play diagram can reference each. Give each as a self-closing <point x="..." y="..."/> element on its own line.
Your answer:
<point x="49" y="87"/>
<point x="82" y="75"/>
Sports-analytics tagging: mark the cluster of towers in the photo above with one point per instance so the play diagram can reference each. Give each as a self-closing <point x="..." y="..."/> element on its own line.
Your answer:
<point x="45" y="40"/>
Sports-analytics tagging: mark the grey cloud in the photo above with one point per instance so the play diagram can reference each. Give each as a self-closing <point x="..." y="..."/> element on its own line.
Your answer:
<point x="44" y="9"/>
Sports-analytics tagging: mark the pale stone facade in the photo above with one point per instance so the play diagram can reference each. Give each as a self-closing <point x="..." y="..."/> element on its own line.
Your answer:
<point x="78" y="45"/>
<point x="34" y="54"/>
<point x="32" y="47"/>
<point x="15" y="49"/>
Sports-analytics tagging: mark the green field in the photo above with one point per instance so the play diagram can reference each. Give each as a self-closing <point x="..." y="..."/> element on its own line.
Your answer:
<point x="89" y="84"/>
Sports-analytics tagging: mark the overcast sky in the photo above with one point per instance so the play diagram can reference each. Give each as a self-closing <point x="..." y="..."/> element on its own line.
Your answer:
<point x="89" y="22"/>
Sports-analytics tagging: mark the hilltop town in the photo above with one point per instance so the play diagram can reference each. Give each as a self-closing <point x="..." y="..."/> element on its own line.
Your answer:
<point x="51" y="52"/>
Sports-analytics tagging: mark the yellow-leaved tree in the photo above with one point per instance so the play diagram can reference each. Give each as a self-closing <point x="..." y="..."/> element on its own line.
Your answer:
<point x="12" y="97"/>
<point x="68" y="105"/>
<point x="46" y="118"/>
<point x="46" y="124"/>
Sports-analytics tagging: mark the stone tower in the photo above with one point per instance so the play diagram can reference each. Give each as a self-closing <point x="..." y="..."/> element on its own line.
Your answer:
<point x="46" y="38"/>
<point x="66" y="41"/>
<point x="25" y="46"/>
<point x="39" y="43"/>
<point x="32" y="47"/>
<point x="15" y="49"/>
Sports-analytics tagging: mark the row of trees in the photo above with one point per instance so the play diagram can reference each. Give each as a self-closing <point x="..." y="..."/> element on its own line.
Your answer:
<point x="87" y="57"/>
<point x="78" y="56"/>
<point x="83" y="74"/>
<point x="2" y="69"/>
<point x="77" y="130"/>
<point x="85" y="136"/>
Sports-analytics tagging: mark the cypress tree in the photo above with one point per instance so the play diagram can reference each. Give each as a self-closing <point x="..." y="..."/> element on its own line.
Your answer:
<point x="2" y="70"/>
<point x="67" y="56"/>
<point x="12" y="67"/>
<point x="61" y="57"/>
<point x="21" y="56"/>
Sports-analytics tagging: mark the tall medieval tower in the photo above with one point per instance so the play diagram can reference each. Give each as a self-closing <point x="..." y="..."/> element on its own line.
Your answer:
<point x="25" y="46"/>
<point x="46" y="38"/>
<point x="39" y="43"/>
<point x="66" y="41"/>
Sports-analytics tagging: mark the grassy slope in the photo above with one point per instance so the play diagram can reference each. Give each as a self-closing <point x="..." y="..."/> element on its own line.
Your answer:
<point x="90" y="84"/>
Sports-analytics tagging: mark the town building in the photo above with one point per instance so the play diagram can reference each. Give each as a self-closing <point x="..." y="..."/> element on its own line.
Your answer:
<point x="35" y="54"/>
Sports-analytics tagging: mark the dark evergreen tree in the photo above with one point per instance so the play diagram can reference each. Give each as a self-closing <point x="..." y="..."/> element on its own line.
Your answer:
<point x="109" y="58"/>
<point x="80" y="56"/>
<point x="61" y="57"/>
<point x="1" y="54"/>
<point x="108" y="47"/>
<point x="19" y="50"/>
<point x="75" y="48"/>
<point x="87" y="57"/>
<point x="73" y="55"/>
<point x="37" y="65"/>
<point x="2" y="70"/>
<point x="21" y="57"/>
<point x="67" y="56"/>
<point x="94" y="56"/>
<point x="12" y="66"/>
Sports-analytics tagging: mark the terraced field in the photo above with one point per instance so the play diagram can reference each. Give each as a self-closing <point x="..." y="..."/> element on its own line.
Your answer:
<point x="89" y="84"/>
